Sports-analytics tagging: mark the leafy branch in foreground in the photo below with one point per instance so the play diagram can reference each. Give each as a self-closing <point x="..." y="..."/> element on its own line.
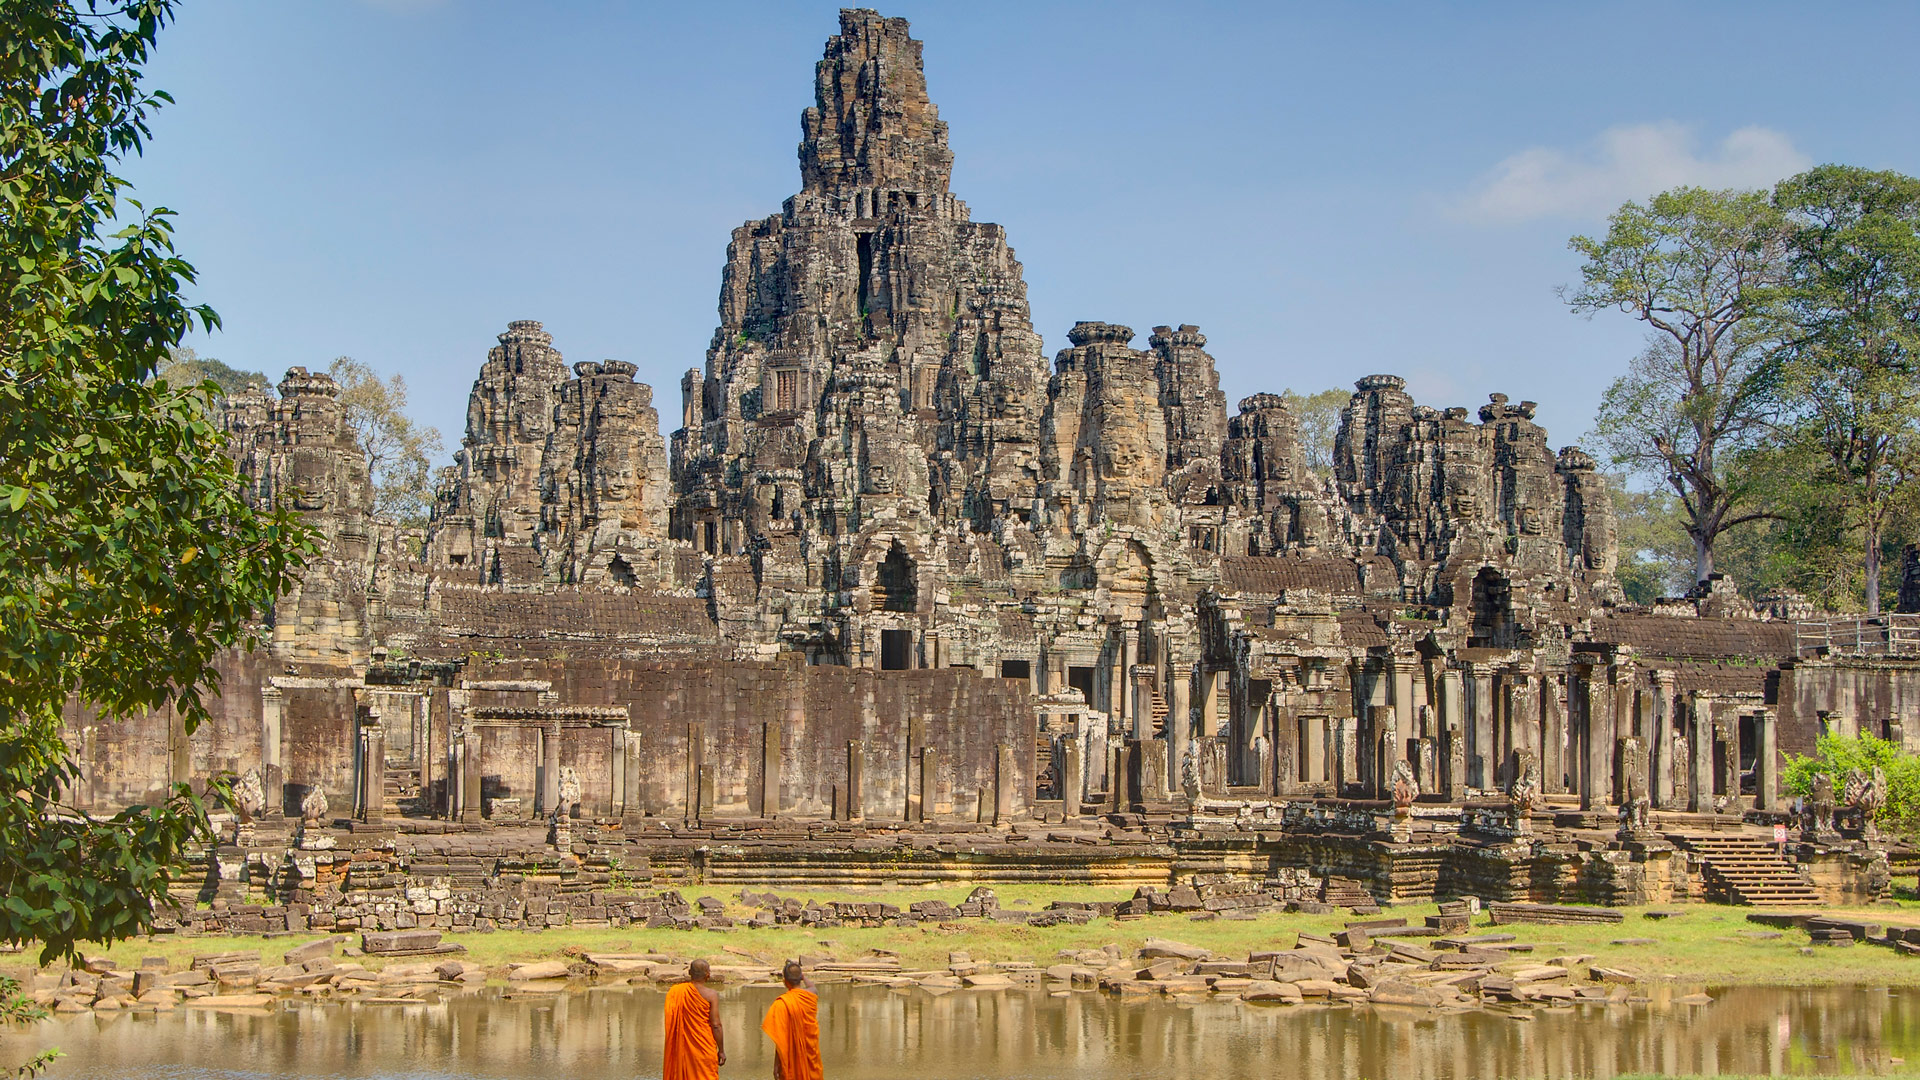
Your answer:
<point x="130" y="558"/>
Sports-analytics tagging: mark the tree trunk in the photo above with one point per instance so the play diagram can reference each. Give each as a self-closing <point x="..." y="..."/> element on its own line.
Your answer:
<point x="1702" y="557"/>
<point x="1873" y="569"/>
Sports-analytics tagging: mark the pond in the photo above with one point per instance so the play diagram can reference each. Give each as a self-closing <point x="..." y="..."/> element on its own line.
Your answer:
<point x="872" y="1032"/>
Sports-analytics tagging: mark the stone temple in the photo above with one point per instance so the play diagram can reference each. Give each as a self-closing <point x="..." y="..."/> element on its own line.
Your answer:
<point x="902" y="600"/>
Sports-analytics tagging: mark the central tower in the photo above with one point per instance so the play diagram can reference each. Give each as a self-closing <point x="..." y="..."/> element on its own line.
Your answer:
<point x="873" y="393"/>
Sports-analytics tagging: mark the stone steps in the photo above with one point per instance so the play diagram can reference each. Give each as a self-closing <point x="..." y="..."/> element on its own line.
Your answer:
<point x="1748" y="870"/>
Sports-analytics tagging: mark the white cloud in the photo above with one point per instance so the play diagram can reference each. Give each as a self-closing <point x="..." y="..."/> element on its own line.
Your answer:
<point x="1628" y="162"/>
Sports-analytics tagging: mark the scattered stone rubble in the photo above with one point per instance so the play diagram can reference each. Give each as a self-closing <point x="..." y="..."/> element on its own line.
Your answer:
<point x="1379" y="961"/>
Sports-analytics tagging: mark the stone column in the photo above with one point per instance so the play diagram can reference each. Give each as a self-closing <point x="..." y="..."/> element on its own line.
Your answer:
<point x="472" y="804"/>
<point x="1553" y="736"/>
<point x="617" y="766"/>
<point x="1346" y="754"/>
<point x="1130" y="706"/>
<point x="929" y="781"/>
<point x="1766" y="758"/>
<point x="1453" y="723"/>
<point x="856" y="779"/>
<point x="1210" y="703"/>
<point x="1404" y="718"/>
<point x="770" y="770"/>
<point x="1179" y="720"/>
<point x="370" y="786"/>
<point x="1701" y="708"/>
<point x="1140" y="701"/>
<point x="1073" y="778"/>
<point x="1596" y="789"/>
<point x="638" y="803"/>
<point x="549" y="768"/>
<point x="1480" y="726"/>
<point x="1660" y="738"/>
<point x="696" y="797"/>
<point x="1004" y="779"/>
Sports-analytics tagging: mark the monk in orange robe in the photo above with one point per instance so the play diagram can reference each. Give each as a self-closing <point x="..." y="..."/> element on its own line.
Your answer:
<point x="695" y="1046"/>
<point x="793" y="1024"/>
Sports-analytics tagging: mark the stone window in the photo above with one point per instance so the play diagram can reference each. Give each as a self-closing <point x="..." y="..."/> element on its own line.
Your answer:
<point x="1016" y="669"/>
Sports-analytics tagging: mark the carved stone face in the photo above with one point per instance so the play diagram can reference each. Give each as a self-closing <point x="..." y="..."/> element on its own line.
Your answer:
<point x="1466" y="504"/>
<point x="879" y="481"/>
<point x="1531" y="522"/>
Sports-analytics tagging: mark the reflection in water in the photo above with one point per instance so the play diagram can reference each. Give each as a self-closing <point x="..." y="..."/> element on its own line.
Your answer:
<point x="869" y="1032"/>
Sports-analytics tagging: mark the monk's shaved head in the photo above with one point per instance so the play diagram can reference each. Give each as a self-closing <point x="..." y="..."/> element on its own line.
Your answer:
<point x="792" y="973"/>
<point x="699" y="970"/>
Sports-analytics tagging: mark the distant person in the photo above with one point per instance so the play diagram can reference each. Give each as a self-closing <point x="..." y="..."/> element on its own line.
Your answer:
<point x="695" y="1046"/>
<point x="793" y="1024"/>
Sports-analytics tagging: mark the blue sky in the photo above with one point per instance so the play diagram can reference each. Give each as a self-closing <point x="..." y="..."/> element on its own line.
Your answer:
<point x="1327" y="190"/>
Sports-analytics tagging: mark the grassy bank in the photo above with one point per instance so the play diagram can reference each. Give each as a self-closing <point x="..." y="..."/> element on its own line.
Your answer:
<point x="1705" y="944"/>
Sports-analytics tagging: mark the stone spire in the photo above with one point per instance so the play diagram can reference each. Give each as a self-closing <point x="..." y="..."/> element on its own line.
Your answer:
<point x="871" y="125"/>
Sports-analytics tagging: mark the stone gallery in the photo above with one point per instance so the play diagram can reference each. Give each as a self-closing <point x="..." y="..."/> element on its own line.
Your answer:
<point x="900" y="601"/>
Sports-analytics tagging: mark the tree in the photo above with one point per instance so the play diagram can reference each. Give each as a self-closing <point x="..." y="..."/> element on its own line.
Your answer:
<point x="129" y="557"/>
<point x="1319" y="416"/>
<point x="399" y="452"/>
<point x="1853" y="362"/>
<point x="1656" y="555"/>
<point x="1703" y="270"/>
<point x="185" y="367"/>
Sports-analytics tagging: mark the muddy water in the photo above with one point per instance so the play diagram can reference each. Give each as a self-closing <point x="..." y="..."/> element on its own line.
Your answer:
<point x="876" y="1033"/>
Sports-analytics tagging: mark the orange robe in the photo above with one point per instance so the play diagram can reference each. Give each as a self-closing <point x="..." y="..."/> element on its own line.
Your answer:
<point x="793" y="1024"/>
<point x="691" y="1053"/>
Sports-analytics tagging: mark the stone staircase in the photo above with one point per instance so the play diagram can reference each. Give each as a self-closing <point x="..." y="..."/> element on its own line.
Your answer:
<point x="1748" y="870"/>
<point x="403" y="797"/>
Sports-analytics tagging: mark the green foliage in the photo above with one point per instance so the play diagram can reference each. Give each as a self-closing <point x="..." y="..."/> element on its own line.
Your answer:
<point x="129" y="558"/>
<point x="399" y="452"/>
<point x="1852" y="365"/>
<point x="185" y="367"/>
<point x="1837" y="755"/>
<point x="1656" y="556"/>
<point x="1319" y="416"/>
<point x="1703" y="270"/>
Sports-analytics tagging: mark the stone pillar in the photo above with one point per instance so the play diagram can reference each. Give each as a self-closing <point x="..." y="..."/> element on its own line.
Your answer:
<point x="1700" y="723"/>
<point x="370" y="785"/>
<point x="1660" y="723"/>
<point x="637" y="804"/>
<point x="1596" y="787"/>
<point x="1179" y="711"/>
<point x="1073" y="778"/>
<point x="471" y="802"/>
<point x="1346" y="754"/>
<point x="1453" y="722"/>
<point x="696" y="771"/>
<point x="929" y="781"/>
<point x="1129" y="708"/>
<point x="549" y="768"/>
<point x="1210" y="703"/>
<point x="1004" y="780"/>
<point x="1117" y="685"/>
<point x="770" y="770"/>
<point x="1766" y="759"/>
<point x="1553" y="736"/>
<point x="1480" y="727"/>
<point x="856" y="779"/>
<point x="1140" y="701"/>
<point x="617" y="766"/>
<point x="1405" y="720"/>
<point x="271" y="703"/>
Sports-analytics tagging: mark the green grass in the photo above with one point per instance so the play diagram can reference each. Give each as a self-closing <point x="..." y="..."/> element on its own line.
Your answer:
<point x="1708" y="944"/>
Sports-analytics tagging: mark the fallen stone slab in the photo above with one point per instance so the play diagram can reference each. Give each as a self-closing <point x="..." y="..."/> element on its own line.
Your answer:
<point x="544" y="969"/>
<point x="1611" y="975"/>
<point x="313" y="950"/>
<point x="1552" y="914"/>
<point x="1269" y="990"/>
<point x="232" y="1001"/>
<point x="389" y="942"/>
<point x="1154" y="948"/>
